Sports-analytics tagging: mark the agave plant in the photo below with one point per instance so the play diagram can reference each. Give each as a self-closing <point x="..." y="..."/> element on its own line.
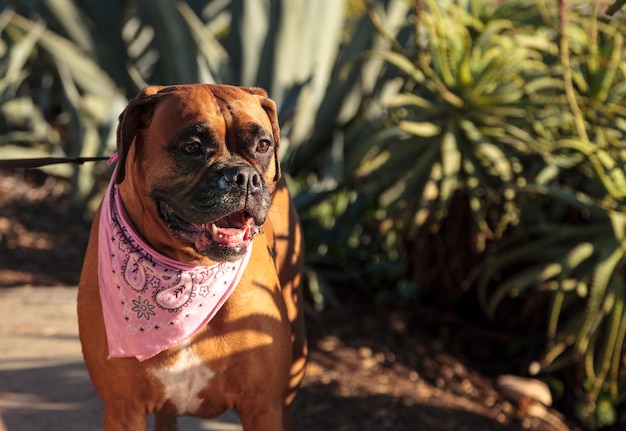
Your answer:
<point x="95" y="54"/>
<point x="457" y="129"/>
<point x="73" y="84"/>
<point x="460" y="120"/>
<point x="575" y="251"/>
<point x="308" y="55"/>
<point x="18" y="111"/>
<point x="485" y="112"/>
<point x="587" y="323"/>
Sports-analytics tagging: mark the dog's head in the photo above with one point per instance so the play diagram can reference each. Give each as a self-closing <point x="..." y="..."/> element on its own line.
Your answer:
<point x="201" y="161"/>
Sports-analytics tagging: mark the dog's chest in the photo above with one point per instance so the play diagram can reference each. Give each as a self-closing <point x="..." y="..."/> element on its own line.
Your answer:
<point x="183" y="380"/>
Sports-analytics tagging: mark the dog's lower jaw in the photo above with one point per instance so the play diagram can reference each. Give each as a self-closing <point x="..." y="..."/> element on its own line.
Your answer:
<point x="226" y="239"/>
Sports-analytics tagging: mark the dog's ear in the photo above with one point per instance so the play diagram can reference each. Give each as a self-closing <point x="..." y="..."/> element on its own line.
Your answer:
<point x="136" y="115"/>
<point x="270" y="108"/>
<point x="257" y="91"/>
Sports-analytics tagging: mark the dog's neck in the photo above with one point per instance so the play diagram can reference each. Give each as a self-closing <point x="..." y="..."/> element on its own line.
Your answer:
<point x="152" y="302"/>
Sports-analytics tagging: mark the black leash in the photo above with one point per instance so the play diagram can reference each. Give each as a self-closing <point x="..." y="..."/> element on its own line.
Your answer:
<point x="45" y="161"/>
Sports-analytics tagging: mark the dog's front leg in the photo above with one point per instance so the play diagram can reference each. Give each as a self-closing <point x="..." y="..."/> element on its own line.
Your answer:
<point x="124" y="419"/>
<point x="165" y="423"/>
<point x="262" y="418"/>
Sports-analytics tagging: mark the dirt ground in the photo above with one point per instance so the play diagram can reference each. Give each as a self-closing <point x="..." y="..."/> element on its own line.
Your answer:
<point x="380" y="368"/>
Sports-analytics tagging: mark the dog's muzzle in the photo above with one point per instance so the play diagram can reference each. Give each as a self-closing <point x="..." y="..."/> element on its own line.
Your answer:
<point x="226" y="214"/>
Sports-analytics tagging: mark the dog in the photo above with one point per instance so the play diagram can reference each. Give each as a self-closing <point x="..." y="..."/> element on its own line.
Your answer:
<point x="189" y="300"/>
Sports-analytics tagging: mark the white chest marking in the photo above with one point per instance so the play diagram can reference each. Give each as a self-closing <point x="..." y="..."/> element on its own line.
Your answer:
<point x="183" y="381"/>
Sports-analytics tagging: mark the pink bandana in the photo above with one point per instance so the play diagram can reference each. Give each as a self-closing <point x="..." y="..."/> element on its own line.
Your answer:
<point x="151" y="302"/>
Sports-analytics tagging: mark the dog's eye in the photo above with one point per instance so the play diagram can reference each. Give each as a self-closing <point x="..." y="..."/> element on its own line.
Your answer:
<point x="263" y="146"/>
<point x="192" y="148"/>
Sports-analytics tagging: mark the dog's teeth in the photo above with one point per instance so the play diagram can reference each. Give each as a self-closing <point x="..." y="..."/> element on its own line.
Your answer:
<point x="214" y="228"/>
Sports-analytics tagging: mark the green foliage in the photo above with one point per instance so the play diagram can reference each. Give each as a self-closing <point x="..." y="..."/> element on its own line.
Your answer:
<point x="62" y="103"/>
<point x="93" y="55"/>
<point x="497" y="106"/>
<point x="461" y="117"/>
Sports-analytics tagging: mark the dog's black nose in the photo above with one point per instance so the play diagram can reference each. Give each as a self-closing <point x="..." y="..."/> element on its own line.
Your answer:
<point x="245" y="177"/>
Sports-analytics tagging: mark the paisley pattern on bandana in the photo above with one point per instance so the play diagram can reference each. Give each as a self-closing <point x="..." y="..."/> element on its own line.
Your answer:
<point x="151" y="302"/>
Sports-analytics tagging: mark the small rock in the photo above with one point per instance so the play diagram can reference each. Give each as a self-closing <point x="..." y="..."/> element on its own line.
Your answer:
<point x="518" y="388"/>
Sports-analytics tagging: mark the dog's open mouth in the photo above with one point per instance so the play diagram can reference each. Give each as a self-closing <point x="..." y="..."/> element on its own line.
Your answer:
<point x="228" y="236"/>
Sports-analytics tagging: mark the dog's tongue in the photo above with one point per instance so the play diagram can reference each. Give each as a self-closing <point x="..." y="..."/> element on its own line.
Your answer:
<point x="229" y="237"/>
<point x="230" y="231"/>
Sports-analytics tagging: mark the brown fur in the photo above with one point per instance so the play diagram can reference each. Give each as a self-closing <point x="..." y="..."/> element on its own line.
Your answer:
<point x="255" y="346"/>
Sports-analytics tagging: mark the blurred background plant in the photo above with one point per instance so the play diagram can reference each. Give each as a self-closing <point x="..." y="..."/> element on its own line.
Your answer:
<point x="465" y="155"/>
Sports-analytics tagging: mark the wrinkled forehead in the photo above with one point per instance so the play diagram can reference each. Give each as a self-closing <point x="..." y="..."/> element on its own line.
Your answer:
<point x="221" y="108"/>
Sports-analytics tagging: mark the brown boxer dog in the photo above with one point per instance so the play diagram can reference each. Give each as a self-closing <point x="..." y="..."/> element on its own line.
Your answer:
<point x="196" y="196"/>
